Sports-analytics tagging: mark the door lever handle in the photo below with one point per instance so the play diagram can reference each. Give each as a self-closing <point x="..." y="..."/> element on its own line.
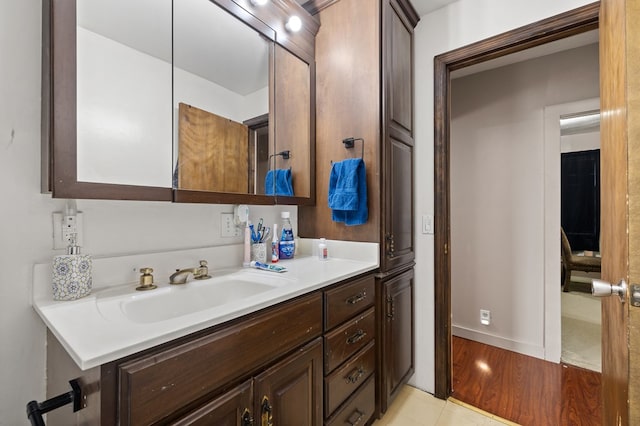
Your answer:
<point x="601" y="288"/>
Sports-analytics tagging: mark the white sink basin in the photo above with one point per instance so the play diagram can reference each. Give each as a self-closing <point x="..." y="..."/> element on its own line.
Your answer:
<point x="172" y="301"/>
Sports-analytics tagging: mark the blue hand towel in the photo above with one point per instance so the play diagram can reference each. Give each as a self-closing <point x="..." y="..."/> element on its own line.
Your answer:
<point x="348" y="192"/>
<point x="282" y="185"/>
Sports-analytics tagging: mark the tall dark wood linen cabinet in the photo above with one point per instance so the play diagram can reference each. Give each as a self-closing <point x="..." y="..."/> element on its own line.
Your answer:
<point x="364" y="89"/>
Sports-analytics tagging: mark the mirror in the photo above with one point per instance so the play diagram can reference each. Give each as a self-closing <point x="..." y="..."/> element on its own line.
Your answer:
<point x="123" y="65"/>
<point x="123" y="86"/>
<point x="221" y="101"/>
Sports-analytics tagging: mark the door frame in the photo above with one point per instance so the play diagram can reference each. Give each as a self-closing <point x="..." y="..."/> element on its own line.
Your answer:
<point x="576" y="21"/>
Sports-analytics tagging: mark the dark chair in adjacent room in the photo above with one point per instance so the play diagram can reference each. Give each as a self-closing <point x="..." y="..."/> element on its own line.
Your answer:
<point x="571" y="262"/>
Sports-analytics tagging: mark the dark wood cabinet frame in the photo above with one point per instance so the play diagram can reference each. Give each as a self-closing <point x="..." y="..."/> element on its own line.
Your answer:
<point x="564" y="25"/>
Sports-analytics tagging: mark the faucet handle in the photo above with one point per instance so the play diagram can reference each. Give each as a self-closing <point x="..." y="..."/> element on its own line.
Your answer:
<point x="146" y="280"/>
<point x="203" y="271"/>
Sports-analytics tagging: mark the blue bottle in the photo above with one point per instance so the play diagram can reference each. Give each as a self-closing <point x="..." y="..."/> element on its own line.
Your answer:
<point x="287" y="243"/>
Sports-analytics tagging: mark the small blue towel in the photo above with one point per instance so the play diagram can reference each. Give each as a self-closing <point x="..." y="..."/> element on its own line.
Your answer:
<point x="348" y="192"/>
<point x="282" y="185"/>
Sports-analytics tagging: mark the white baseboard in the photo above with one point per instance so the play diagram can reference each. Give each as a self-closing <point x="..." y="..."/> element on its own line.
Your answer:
<point x="497" y="341"/>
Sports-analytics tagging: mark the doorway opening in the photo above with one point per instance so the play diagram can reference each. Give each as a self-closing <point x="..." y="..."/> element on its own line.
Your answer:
<point x="560" y="27"/>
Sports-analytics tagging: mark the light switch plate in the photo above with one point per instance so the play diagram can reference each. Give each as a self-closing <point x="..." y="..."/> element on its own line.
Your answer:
<point x="427" y="224"/>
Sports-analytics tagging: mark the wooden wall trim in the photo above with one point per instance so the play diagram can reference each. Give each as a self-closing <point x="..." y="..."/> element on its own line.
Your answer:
<point x="564" y="25"/>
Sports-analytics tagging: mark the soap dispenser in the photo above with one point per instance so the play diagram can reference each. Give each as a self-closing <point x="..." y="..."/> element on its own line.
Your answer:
<point x="71" y="273"/>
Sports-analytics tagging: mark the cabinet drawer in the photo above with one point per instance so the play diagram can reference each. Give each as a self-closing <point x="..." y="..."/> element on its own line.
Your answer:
<point x="346" y="379"/>
<point x="359" y="409"/>
<point x="343" y="302"/>
<point x="347" y="339"/>
<point x="161" y="384"/>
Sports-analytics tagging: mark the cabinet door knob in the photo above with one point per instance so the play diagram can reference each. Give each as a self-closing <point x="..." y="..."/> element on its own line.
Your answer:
<point x="247" y="419"/>
<point x="267" y="412"/>
<point x="357" y="420"/>
<point x="391" y="310"/>
<point x="391" y="249"/>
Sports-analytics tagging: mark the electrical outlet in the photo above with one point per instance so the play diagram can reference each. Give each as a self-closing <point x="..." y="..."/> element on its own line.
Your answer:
<point x="485" y="317"/>
<point x="64" y="227"/>
<point x="228" y="226"/>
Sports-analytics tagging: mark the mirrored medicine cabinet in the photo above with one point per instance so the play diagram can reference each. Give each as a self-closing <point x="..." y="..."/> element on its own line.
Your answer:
<point x="208" y="101"/>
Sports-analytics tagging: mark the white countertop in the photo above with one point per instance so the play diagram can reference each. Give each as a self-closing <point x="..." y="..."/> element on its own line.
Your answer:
<point x="93" y="337"/>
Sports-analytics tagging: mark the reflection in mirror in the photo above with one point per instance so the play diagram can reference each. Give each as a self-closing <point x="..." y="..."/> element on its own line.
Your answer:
<point x="292" y="124"/>
<point x="221" y="101"/>
<point x="124" y="92"/>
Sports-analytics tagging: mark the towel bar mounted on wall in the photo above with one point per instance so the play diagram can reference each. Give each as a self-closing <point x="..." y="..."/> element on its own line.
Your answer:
<point x="35" y="409"/>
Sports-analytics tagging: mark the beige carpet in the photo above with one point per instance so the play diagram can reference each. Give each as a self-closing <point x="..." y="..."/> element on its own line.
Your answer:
<point x="581" y="345"/>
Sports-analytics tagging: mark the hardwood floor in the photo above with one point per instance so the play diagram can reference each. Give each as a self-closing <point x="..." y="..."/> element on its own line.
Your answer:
<point x="523" y="389"/>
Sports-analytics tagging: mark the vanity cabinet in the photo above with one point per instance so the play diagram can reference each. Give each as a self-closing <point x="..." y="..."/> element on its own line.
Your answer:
<point x="365" y="89"/>
<point x="349" y="352"/>
<point x="311" y="360"/>
<point x="288" y="393"/>
<point x="187" y="379"/>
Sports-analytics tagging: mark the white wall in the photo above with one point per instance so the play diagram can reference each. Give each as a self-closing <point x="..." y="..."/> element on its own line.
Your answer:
<point x="456" y="25"/>
<point x="498" y="194"/>
<point x="111" y="227"/>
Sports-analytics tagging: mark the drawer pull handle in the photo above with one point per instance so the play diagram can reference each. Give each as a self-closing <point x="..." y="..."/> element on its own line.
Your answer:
<point x="357" y="298"/>
<point x="355" y="375"/>
<point x="267" y="412"/>
<point x="357" y="336"/>
<point x="247" y="420"/>
<point x="358" y="419"/>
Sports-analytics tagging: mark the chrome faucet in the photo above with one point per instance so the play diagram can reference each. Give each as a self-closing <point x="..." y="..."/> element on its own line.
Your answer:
<point x="181" y="275"/>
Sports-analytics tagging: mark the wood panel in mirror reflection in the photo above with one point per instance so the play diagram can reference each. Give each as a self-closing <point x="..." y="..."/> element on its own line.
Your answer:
<point x="213" y="152"/>
<point x="292" y="118"/>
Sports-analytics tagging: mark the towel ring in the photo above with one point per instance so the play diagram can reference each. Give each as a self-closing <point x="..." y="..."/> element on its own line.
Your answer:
<point x="349" y="143"/>
<point x="284" y="154"/>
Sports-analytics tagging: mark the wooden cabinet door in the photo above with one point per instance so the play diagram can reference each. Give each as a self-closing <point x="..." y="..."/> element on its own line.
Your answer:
<point x="397" y="336"/>
<point x="398" y="149"/>
<point x="233" y="408"/>
<point x="290" y="392"/>
<point x="399" y="247"/>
